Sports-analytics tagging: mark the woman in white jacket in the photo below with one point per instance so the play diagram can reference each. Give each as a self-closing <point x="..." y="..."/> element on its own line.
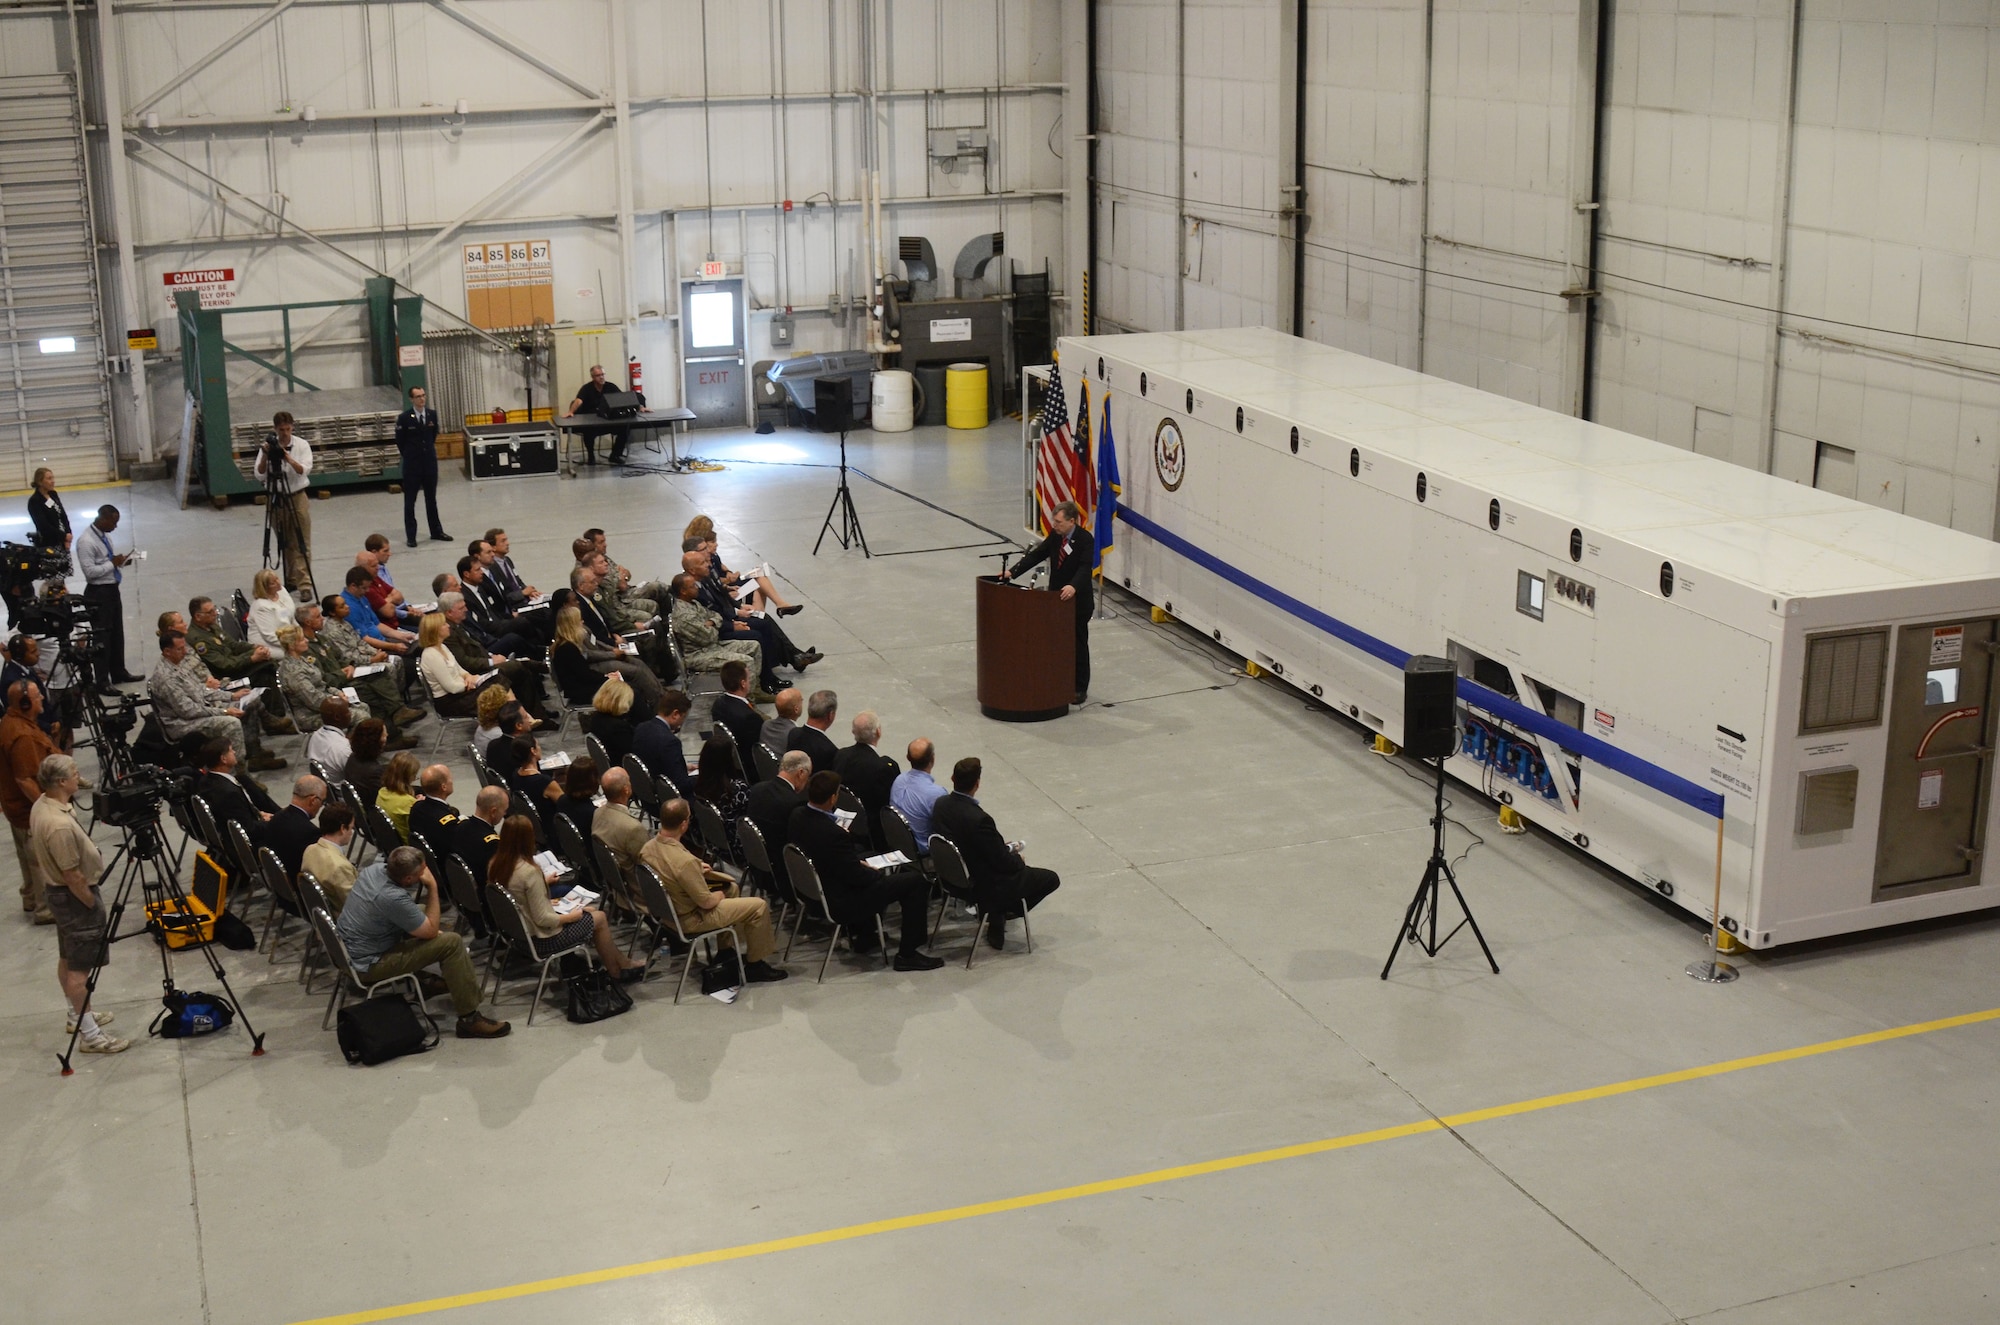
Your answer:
<point x="454" y="691"/>
<point x="271" y="606"/>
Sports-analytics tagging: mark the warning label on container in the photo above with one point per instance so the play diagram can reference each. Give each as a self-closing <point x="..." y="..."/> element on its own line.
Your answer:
<point x="1947" y="645"/>
<point x="1930" y="789"/>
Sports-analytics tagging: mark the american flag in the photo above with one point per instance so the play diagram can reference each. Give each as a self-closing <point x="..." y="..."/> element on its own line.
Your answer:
<point x="1060" y="472"/>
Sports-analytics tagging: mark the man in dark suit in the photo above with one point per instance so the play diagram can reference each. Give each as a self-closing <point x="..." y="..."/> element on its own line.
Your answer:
<point x="416" y="441"/>
<point x="821" y="710"/>
<point x="434" y="819"/>
<point x="230" y="798"/>
<point x="869" y="772"/>
<point x="855" y="892"/>
<point x="507" y="631"/>
<point x="1071" y="554"/>
<point x="733" y="711"/>
<point x="291" y="830"/>
<point x="500" y="566"/>
<point x="772" y="801"/>
<point x="1006" y="884"/>
<point x="657" y="742"/>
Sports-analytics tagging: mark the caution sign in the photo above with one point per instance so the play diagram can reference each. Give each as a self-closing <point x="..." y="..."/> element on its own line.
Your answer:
<point x="1947" y="645"/>
<point x="145" y="338"/>
<point x="215" y="285"/>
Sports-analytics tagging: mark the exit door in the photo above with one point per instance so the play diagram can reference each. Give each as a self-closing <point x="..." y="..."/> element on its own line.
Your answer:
<point x="1938" y="778"/>
<point x="713" y="337"/>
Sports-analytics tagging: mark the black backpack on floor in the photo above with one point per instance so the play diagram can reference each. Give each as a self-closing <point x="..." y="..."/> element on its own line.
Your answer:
<point x="378" y="1029"/>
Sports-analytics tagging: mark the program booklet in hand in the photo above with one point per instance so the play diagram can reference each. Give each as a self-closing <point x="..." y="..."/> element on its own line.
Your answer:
<point x="550" y="763"/>
<point x="573" y="901"/>
<point x="887" y="860"/>
<point x="372" y="669"/>
<point x="550" y="863"/>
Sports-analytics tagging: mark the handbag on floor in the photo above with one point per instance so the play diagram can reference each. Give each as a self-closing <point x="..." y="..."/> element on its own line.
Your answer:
<point x="594" y="995"/>
<point x="376" y="1030"/>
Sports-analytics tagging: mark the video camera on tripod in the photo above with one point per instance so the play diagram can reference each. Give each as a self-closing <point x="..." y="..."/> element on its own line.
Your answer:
<point x="21" y="566"/>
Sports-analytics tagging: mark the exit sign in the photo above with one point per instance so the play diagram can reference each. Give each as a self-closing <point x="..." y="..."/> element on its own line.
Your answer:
<point x="712" y="271"/>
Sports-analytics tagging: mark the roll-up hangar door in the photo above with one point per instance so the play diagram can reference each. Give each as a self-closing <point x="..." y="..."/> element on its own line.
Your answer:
<point x="55" y="402"/>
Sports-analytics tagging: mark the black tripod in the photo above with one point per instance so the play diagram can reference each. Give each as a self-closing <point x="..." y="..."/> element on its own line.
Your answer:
<point x="1420" y="921"/>
<point x="849" y="533"/>
<point x="281" y="521"/>
<point x="166" y="908"/>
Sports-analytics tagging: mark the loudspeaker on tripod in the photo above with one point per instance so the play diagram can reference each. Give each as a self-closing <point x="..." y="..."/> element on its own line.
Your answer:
<point x="1430" y="722"/>
<point x="833" y="404"/>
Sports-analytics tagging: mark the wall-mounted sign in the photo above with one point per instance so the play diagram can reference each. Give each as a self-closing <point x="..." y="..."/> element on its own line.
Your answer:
<point x="509" y="284"/>
<point x="714" y="271"/>
<point x="215" y="285"/>
<point x="409" y="356"/>
<point x="145" y="338"/>
<point x="951" y="328"/>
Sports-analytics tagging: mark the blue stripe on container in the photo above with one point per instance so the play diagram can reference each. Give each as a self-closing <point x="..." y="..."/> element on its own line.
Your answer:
<point x="1610" y="756"/>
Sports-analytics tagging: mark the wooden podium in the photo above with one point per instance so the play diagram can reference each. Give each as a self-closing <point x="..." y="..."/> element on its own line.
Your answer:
<point x="1027" y="652"/>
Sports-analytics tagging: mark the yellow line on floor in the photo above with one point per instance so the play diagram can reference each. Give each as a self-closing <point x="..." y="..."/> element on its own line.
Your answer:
<point x="1151" y="1178"/>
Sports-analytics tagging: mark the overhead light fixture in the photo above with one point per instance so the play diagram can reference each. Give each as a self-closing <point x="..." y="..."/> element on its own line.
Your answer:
<point x="58" y="345"/>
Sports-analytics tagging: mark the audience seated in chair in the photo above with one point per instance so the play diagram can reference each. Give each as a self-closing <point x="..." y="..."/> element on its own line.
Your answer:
<point x="734" y="709"/>
<point x="610" y="720"/>
<point x="433" y="818"/>
<point x="326" y="858"/>
<point x="398" y="792"/>
<point x="615" y="824"/>
<point x="821" y="709"/>
<point x="1006" y="884"/>
<point x="857" y="892"/>
<point x="390" y="927"/>
<point x="721" y="783"/>
<point x="790" y="704"/>
<point x="513" y="867"/>
<point x="916" y="793"/>
<point x="329" y="745"/>
<point x="703" y="903"/>
<point x="867" y="772"/>
<point x="364" y="762"/>
<point x="657" y="741"/>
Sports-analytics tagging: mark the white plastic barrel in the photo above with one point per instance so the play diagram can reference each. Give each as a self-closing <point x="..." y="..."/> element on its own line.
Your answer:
<point x="892" y="401"/>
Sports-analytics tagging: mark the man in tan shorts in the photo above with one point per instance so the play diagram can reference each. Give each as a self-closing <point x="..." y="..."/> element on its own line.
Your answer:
<point x="70" y="862"/>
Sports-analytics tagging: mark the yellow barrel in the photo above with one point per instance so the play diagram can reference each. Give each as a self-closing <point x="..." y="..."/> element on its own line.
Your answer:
<point x="965" y="396"/>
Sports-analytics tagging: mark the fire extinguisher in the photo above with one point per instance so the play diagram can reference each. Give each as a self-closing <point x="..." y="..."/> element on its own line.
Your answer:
<point x="632" y="371"/>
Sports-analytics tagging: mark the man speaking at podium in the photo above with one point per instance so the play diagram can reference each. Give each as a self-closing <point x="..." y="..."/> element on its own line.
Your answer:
<point x="1071" y="553"/>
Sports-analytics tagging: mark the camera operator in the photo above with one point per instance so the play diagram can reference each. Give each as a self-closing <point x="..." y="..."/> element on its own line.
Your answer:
<point x="103" y="571"/>
<point x="69" y="860"/>
<point x="24" y="655"/>
<point x="293" y="459"/>
<point x="45" y="508"/>
<point x="23" y="747"/>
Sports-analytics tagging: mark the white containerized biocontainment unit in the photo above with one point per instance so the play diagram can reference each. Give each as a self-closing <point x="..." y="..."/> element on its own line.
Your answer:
<point x="1645" y="637"/>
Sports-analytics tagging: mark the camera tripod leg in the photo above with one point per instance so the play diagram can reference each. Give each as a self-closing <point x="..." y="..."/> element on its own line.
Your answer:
<point x="849" y="532"/>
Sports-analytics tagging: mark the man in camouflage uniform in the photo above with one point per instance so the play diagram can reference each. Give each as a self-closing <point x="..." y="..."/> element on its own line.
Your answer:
<point x="338" y="652"/>
<point x="188" y="701"/>
<point x="234" y="659"/>
<point x="698" y="631"/>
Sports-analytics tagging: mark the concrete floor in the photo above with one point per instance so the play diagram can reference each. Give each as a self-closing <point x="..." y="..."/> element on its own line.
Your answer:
<point x="1234" y="865"/>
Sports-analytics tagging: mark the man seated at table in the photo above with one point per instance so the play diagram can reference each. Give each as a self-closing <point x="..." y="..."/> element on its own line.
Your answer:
<point x="1006" y="884"/>
<point x="390" y="926"/>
